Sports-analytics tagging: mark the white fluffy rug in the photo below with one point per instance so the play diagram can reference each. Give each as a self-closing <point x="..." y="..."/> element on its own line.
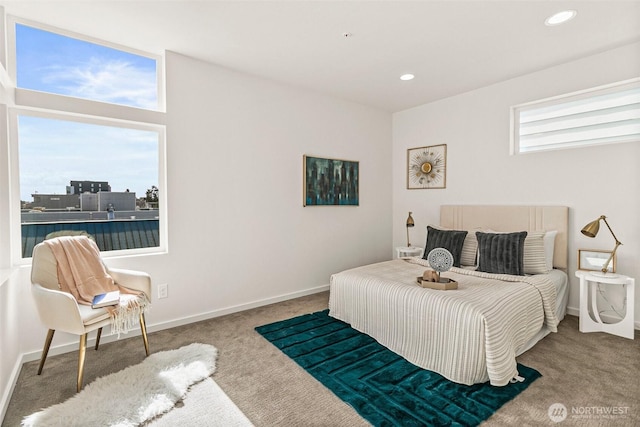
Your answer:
<point x="142" y="392"/>
<point x="205" y="405"/>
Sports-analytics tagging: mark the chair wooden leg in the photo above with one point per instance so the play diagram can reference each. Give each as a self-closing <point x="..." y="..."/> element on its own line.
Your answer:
<point x="81" y="353"/>
<point x="45" y="350"/>
<point x="143" y="328"/>
<point x="98" y="338"/>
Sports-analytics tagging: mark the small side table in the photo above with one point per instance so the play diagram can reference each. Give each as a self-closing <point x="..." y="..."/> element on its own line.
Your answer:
<point x="408" y="251"/>
<point x="588" y="287"/>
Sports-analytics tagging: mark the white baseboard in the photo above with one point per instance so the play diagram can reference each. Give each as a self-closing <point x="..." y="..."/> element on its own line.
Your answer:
<point x="6" y="396"/>
<point x="234" y="309"/>
<point x="573" y="311"/>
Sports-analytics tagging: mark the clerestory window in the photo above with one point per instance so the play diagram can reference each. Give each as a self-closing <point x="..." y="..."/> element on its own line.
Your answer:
<point x="50" y="62"/>
<point x="603" y="115"/>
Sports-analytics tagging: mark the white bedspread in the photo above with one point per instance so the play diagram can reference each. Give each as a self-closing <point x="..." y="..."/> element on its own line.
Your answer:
<point x="469" y="335"/>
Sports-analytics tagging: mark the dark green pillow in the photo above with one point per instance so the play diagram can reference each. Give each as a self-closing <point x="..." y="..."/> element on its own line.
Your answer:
<point x="451" y="240"/>
<point x="501" y="253"/>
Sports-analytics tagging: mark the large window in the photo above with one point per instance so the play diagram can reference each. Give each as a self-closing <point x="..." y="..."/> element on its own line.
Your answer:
<point x="88" y="162"/>
<point x="603" y="115"/>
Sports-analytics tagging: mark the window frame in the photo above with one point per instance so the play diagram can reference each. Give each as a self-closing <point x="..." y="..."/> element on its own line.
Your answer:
<point x="516" y="110"/>
<point x="62" y="107"/>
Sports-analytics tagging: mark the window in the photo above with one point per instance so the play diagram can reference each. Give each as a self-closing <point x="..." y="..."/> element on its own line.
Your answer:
<point x="54" y="63"/>
<point x="604" y="115"/>
<point x="87" y="160"/>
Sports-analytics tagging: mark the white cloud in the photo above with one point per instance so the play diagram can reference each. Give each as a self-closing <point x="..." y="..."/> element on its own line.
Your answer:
<point x="109" y="80"/>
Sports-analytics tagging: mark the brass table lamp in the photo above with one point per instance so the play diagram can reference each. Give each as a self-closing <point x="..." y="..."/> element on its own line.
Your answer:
<point x="591" y="230"/>
<point x="410" y="224"/>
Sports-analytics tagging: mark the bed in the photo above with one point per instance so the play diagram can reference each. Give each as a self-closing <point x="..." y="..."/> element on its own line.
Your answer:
<point x="472" y="334"/>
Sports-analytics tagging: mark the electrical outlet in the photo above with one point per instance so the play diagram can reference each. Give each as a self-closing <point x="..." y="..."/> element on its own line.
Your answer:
<point x="163" y="291"/>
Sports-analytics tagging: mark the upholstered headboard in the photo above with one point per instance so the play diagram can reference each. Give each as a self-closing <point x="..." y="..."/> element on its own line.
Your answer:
<point x="512" y="218"/>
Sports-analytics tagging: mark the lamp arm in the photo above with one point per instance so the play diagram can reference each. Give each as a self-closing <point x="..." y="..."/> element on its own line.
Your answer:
<point x="605" y="267"/>
<point x="618" y="243"/>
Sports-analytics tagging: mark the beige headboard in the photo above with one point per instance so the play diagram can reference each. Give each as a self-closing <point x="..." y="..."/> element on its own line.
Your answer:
<point x="512" y="218"/>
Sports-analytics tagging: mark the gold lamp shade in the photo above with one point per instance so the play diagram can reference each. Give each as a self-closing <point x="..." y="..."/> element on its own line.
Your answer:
<point x="410" y="223"/>
<point x="591" y="230"/>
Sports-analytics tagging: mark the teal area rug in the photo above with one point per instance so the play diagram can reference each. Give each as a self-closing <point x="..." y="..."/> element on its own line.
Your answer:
<point x="381" y="386"/>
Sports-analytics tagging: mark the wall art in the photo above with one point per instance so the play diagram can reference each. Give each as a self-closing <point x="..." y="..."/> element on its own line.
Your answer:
<point x="427" y="167"/>
<point x="330" y="182"/>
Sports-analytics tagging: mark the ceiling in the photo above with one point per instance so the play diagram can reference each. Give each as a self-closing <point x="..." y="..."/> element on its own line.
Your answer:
<point x="451" y="46"/>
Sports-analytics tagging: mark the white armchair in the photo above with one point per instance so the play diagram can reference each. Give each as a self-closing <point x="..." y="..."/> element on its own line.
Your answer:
<point x="59" y="310"/>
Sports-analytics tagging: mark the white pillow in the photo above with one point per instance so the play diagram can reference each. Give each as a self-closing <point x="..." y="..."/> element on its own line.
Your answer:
<point x="549" y="245"/>
<point x="534" y="259"/>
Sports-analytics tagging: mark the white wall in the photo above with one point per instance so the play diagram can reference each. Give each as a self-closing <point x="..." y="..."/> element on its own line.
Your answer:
<point x="593" y="181"/>
<point x="238" y="230"/>
<point x="238" y="233"/>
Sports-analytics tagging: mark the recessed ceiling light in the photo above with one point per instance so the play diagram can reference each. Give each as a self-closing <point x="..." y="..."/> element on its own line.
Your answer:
<point x="560" y="17"/>
<point x="407" y="77"/>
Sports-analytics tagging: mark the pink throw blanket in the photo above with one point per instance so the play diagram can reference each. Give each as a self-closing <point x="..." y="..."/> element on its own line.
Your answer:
<point x="82" y="274"/>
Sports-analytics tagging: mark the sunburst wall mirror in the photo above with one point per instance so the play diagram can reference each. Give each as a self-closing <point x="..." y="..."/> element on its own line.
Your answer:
<point x="427" y="167"/>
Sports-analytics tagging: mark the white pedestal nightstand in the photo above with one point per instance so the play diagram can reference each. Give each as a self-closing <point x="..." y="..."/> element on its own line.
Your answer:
<point x="408" y="251"/>
<point x="591" y="322"/>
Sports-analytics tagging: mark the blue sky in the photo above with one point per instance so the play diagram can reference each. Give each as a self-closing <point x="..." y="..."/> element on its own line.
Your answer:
<point x="54" y="152"/>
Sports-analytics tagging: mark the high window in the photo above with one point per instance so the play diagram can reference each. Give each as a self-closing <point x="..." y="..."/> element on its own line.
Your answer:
<point x="604" y="115"/>
<point x="50" y="62"/>
<point x="88" y="130"/>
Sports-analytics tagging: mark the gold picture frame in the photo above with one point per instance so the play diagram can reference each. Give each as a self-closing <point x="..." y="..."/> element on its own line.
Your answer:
<point x="427" y="167"/>
<point x="594" y="259"/>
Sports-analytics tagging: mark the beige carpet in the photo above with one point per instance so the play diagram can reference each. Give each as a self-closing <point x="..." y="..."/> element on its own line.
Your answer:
<point x="580" y="371"/>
